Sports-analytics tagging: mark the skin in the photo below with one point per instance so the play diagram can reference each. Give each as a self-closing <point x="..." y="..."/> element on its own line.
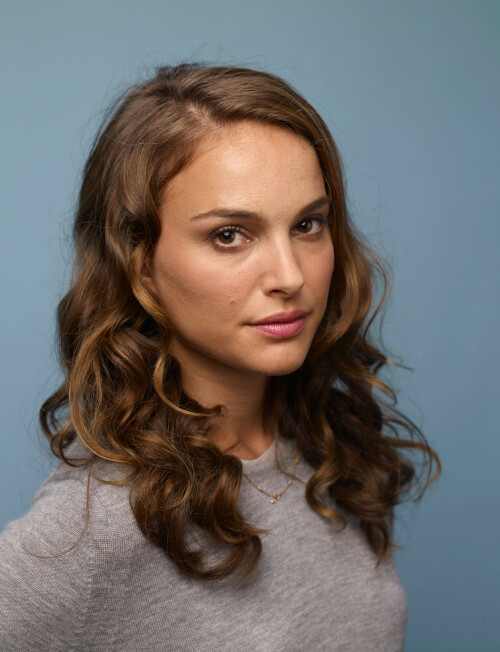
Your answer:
<point x="213" y="286"/>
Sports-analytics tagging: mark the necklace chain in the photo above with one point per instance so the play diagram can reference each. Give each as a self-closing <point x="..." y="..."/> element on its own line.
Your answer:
<point x="275" y="497"/>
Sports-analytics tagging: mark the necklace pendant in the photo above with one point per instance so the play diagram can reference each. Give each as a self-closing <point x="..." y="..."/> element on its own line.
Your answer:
<point x="272" y="500"/>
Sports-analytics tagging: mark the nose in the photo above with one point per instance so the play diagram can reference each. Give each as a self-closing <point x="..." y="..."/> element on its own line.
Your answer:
<point x="283" y="273"/>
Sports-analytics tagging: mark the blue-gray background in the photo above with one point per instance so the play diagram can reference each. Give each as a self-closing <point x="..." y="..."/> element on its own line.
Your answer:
<point x="410" y="91"/>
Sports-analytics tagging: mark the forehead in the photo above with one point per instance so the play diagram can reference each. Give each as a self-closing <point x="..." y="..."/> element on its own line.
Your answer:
<point x="248" y="165"/>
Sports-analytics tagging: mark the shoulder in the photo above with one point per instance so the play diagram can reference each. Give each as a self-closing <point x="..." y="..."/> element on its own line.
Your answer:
<point x="46" y="569"/>
<point x="72" y="500"/>
<point x="57" y="558"/>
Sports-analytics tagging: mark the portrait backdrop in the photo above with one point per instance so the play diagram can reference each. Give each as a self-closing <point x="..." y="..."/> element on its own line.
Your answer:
<point x="410" y="91"/>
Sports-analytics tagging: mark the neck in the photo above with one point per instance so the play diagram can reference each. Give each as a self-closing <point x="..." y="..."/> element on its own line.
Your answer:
<point x="242" y="430"/>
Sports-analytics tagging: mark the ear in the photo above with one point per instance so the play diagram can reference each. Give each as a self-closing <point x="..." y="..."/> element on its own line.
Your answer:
<point x="147" y="276"/>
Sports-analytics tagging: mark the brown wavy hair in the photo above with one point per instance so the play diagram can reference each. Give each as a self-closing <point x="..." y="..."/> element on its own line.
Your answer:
<point x="122" y="395"/>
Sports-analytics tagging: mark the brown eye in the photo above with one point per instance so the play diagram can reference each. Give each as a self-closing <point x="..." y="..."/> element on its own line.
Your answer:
<point x="311" y="226"/>
<point x="229" y="238"/>
<point x="226" y="236"/>
<point x="305" y="226"/>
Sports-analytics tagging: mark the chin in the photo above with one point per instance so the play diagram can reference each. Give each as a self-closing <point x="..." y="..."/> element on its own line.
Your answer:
<point x="281" y="367"/>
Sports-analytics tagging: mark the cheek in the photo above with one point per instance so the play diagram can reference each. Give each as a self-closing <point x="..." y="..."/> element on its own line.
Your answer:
<point x="190" y="287"/>
<point x="320" y="272"/>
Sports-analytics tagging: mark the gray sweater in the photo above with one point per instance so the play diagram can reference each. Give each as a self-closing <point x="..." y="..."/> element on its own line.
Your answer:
<point x="316" y="589"/>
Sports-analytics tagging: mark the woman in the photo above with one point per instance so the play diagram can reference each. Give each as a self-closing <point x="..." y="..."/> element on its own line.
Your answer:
<point x="229" y="468"/>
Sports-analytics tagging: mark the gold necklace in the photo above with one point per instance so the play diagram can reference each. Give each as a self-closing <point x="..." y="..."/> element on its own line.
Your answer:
<point x="275" y="497"/>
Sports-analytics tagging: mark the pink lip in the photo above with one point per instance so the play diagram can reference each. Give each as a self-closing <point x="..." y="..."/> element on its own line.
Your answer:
<point x="283" y="324"/>
<point x="282" y="317"/>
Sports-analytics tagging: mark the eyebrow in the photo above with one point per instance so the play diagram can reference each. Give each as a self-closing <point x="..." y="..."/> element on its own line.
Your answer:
<point x="255" y="217"/>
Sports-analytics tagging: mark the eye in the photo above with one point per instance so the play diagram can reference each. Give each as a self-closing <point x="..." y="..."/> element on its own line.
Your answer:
<point x="228" y="237"/>
<point x="311" y="225"/>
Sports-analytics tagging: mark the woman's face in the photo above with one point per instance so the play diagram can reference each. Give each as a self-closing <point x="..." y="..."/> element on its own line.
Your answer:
<point x="245" y="237"/>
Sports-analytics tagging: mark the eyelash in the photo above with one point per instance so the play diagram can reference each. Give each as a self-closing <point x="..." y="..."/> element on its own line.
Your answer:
<point x="237" y="229"/>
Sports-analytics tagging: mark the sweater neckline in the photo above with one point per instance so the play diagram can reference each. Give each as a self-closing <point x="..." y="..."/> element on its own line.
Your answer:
<point x="263" y="460"/>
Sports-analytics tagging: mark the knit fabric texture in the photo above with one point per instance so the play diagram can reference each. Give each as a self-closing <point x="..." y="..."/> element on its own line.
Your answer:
<point x="111" y="589"/>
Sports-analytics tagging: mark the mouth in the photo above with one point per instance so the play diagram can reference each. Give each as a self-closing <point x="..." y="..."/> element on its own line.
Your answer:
<point x="283" y="324"/>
